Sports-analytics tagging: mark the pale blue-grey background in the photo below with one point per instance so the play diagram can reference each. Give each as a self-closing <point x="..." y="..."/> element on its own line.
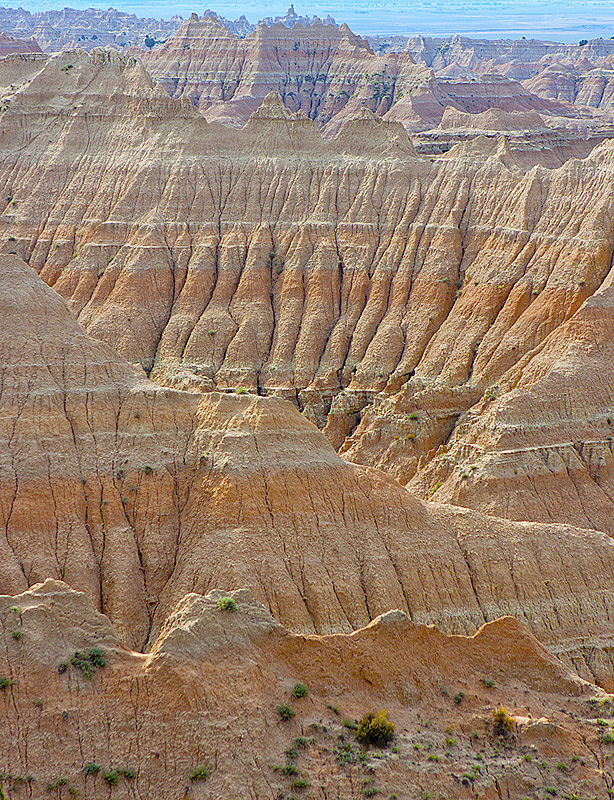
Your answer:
<point x="567" y="22"/>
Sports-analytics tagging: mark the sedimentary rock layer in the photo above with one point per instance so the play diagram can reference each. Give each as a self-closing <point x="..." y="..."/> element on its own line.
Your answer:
<point x="224" y="673"/>
<point x="137" y="494"/>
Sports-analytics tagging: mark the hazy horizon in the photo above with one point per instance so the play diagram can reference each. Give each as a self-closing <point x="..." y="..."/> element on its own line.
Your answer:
<point x="490" y="19"/>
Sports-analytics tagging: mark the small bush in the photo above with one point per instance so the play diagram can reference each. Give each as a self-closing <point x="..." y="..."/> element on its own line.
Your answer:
<point x="200" y="774"/>
<point x="111" y="777"/>
<point x="459" y="697"/>
<point x="300" y="742"/>
<point x="226" y="604"/>
<point x="608" y="738"/>
<point x="289" y="769"/>
<point x="433" y="757"/>
<point x="487" y="681"/>
<point x="87" y="663"/>
<point x="96" y="657"/>
<point x="128" y="773"/>
<point x="375" y="729"/>
<point x="527" y="757"/>
<point x="91" y="768"/>
<point x="285" y="712"/>
<point x="17" y="635"/>
<point x="350" y="724"/>
<point x="300" y="690"/>
<point x="240" y="390"/>
<point x="300" y="783"/>
<point x="5" y="683"/>
<point x="502" y="721"/>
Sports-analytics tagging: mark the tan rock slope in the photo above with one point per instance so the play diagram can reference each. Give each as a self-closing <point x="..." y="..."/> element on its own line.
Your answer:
<point x="223" y="674"/>
<point x="383" y="292"/>
<point x="136" y="495"/>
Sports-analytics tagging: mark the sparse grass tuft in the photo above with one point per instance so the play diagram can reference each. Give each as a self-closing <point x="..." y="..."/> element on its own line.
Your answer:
<point x="300" y="690"/>
<point x="200" y="773"/>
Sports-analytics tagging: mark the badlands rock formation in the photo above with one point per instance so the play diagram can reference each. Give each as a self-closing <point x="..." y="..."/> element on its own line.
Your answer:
<point x="86" y="28"/>
<point x="137" y="495"/>
<point x="385" y="293"/>
<point x="323" y="70"/>
<point x="446" y="320"/>
<point x="223" y="673"/>
<point x="9" y="45"/>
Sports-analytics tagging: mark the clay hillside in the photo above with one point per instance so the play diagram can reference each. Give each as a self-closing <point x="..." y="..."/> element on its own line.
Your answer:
<point x="297" y="428"/>
<point x="325" y="71"/>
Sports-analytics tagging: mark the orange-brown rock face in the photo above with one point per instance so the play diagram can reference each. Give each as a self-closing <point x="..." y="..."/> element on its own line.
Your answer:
<point x="198" y="716"/>
<point x="137" y="495"/>
<point x="383" y="292"/>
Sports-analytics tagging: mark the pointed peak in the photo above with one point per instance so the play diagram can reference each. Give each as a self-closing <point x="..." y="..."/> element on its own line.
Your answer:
<point x="273" y="108"/>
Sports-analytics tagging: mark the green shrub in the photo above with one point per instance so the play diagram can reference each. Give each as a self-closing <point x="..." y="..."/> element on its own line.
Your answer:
<point x="96" y="657"/>
<point x="87" y="663"/>
<point x="375" y="729"/>
<point x="285" y="712"/>
<point x="502" y="721"/>
<point x="5" y="683"/>
<point x="200" y="773"/>
<point x="226" y="604"/>
<point x="300" y="742"/>
<point x="240" y="390"/>
<point x="91" y="768"/>
<point x="111" y="777"/>
<point x="608" y="738"/>
<point x="459" y="697"/>
<point x="300" y="690"/>
<point x="128" y="773"/>
<point x="17" y="635"/>
<point x="487" y="681"/>
<point x="300" y="783"/>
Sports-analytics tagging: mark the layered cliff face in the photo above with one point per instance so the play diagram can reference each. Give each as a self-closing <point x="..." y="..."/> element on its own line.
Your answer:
<point x="9" y="45"/>
<point x="224" y="673"/>
<point x="446" y="319"/>
<point x="136" y="495"/>
<point x="322" y="70"/>
<point x="373" y="287"/>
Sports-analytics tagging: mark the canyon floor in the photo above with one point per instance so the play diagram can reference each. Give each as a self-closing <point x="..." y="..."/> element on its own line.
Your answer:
<point x="306" y="413"/>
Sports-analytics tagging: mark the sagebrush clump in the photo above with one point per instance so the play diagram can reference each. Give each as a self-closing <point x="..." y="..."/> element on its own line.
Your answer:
<point x="503" y="722"/>
<point x="375" y="729"/>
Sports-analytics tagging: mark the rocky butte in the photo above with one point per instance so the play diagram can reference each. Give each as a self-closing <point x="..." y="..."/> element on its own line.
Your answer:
<point x="295" y="428"/>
